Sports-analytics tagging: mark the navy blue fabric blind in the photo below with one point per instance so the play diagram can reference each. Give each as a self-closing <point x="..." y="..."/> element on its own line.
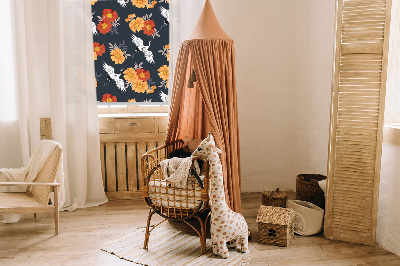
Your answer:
<point x="131" y="50"/>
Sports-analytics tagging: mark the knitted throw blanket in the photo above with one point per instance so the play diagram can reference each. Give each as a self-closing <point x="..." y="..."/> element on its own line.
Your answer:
<point x="176" y="170"/>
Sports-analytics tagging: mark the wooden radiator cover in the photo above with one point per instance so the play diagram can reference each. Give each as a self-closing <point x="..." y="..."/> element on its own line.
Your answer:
<point x="123" y="141"/>
<point x="358" y="96"/>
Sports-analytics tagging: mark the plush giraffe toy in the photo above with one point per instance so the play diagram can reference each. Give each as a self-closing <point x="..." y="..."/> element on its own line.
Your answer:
<point x="226" y="225"/>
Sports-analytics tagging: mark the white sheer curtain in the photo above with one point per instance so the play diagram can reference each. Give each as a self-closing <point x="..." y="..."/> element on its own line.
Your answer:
<point x="55" y="78"/>
<point x="183" y="18"/>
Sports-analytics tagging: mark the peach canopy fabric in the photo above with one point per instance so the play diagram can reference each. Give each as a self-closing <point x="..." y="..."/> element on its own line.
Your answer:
<point x="211" y="106"/>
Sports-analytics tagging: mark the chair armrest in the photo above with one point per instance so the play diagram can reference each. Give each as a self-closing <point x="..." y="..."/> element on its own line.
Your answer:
<point x="29" y="184"/>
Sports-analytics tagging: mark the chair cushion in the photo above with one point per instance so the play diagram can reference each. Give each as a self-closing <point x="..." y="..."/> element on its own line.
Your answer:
<point x="17" y="199"/>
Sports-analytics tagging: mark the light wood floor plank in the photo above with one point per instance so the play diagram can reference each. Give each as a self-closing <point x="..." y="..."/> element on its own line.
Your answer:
<point x="83" y="232"/>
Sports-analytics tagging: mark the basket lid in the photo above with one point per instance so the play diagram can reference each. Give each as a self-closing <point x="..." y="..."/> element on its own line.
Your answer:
<point x="275" y="215"/>
<point x="275" y="194"/>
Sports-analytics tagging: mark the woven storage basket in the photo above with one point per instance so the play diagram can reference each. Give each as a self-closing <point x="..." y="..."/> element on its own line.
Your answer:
<point x="275" y="225"/>
<point x="308" y="189"/>
<point x="274" y="198"/>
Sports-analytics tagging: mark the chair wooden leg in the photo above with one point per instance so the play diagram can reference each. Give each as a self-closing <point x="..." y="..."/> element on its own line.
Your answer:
<point x="56" y="211"/>
<point x="203" y="232"/>
<point x="203" y="236"/>
<point x="147" y="235"/>
<point x="34" y="215"/>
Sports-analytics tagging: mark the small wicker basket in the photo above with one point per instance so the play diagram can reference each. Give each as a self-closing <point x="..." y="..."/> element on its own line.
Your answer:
<point x="275" y="225"/>
<point x="274" y="198"/>
<point x="308" y="189"/>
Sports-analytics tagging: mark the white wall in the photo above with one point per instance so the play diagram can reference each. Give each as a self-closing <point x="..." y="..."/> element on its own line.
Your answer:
<point x="314" y="60"/>
<point x="388" y="227"/>
<point x="284" y="52"/>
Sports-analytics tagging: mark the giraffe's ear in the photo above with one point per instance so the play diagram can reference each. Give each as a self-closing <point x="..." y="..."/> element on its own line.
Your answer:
<point x="216" y="149"/>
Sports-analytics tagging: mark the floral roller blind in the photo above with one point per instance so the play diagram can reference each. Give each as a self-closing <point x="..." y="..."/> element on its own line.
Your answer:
<point x="131" y="50"/>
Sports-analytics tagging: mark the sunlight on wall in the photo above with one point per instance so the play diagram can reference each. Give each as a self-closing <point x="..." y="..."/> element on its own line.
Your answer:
<point x="8" y="99"/>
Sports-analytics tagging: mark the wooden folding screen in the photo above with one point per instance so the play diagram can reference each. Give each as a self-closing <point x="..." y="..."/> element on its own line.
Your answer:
<point x="358" y="96"/>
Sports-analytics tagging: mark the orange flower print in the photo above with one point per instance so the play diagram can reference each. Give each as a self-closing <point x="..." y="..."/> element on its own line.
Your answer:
<point x="163" y="72"/>
<point x="117" y="56"/>
<point x="140" y="3"/>
<point x="98" y="49"/>
<point x="136" y="24"/>
<point x="153" y="3"/>
<point x="143" y="74"/>
<point x="109" y="15"/>
<point x="104" y="27"/>
<point x="152" y="89"/>
<point x="96" y="82"/>
<point x="109" y="98"/>
<point x="130" y="75"/>
<point x="149" y="27"/>
<point x="130" y="17"/>
<point x="140" y="86"/>
<point x="93" y="2"/>
<point x="132" y="100"/>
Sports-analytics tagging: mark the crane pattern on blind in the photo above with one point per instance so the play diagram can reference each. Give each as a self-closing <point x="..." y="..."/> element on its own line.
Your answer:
<point x="131" y="50"/>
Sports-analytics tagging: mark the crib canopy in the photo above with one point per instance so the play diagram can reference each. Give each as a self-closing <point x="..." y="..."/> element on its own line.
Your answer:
<point x="210" y="104"/>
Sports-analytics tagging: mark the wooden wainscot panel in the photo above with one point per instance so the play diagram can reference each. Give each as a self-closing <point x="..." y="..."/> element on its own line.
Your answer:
<point x="134" y="125"/>
<point x="46" y="129"/>
<point x="162" y="124"/>
<point x="124" y="195"/>
<point x="106" y="125"/>
<point x="138" y="137"/>
<point x="123" y="141"/>
<point x="391" y="135"/>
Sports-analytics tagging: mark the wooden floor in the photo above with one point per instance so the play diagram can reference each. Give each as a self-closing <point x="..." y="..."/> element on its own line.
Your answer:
<point x="82" y="233"/>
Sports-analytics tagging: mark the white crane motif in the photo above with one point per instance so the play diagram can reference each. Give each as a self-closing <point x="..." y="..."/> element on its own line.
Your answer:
<point x="122" y="3"/>
<point x="142" y="48"/>
<point x="165" y="14"/>
<point x="163" y="96"/>
<point x="110" y="71"/>
<point x="94" y="29"/>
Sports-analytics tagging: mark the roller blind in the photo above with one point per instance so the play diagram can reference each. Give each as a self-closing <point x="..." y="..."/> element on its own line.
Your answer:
<point x="358" y="97"/>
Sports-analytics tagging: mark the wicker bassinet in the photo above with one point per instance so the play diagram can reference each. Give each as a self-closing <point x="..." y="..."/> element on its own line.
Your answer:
<point x="170" y="202"/>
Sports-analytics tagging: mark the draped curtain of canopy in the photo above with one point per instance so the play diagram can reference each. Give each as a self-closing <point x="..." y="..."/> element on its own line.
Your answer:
<point x="211" y="105"/>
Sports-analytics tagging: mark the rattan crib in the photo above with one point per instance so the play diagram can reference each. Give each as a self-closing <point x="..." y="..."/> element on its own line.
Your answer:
<point x="170" y="202"/>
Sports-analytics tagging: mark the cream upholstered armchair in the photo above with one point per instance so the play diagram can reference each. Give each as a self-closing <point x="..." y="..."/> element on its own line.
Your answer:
<point x="36" y="197"/>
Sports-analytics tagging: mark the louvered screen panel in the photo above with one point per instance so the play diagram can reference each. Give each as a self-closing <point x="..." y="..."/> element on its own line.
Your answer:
<point x="358" y="96"/>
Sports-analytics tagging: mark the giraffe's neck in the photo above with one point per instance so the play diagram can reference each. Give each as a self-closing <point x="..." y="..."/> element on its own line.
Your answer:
<point x="217" y="192"/>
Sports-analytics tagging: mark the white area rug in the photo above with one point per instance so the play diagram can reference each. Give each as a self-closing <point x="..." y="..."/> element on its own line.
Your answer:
<point x="168" y="247"/>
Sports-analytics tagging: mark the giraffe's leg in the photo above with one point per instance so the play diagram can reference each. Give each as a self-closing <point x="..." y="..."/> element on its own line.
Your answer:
<point x="222" y="249"/>
<point x="215" y="248"/>
<point x="243" y="243"/>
